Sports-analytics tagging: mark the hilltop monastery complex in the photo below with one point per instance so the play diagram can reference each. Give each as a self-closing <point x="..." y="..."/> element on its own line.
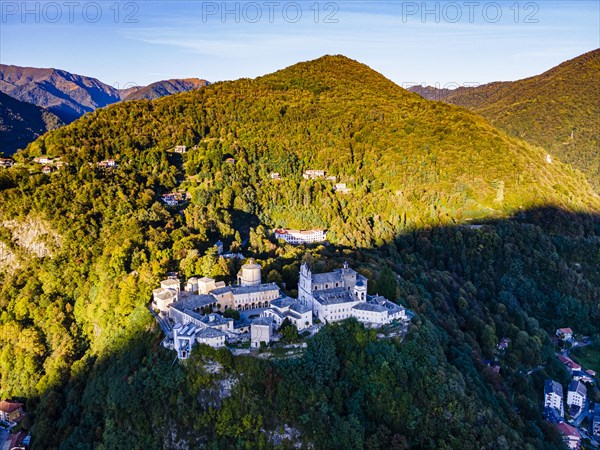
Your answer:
<point x="188" y="317"/>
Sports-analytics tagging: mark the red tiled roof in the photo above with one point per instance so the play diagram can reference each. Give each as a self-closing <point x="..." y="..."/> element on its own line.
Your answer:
<point x="568" y="430"/>
<point x="8" y="407"/>
<point x="565" y="330"/>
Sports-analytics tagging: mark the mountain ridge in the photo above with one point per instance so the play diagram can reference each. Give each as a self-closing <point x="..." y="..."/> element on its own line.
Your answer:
<point x="556" y="110"/>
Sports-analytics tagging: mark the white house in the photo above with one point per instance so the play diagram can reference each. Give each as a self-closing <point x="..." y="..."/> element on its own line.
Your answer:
<point x="553" y="396"/>
<point x="576" y="394"/>
<point x="261" y="330"/>
<point x="301" y="236"/>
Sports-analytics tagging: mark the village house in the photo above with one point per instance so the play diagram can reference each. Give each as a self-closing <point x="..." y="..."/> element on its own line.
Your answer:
<point x="571" y="436"/>
<point x="6" y="162"/>
<point x="564" y="333"/>
<point x="341" y="188"/>
<point x="219" y="247"/>
<point x="180" y="149"/>
<point x="576" y="396"/>
<point x="10" y="411"/>
<point x="341" y="294"/>
<point x="596" y="420"/>
<point x="553" y="396"/>
<point x="43" y="160"/>
<point x="503" y="344"/>
<point x="579" y="375"/>
<point x="312" y="174"/>
<point x="571" y="365"/>
<point x="107" y="164"/>
<point x="274" y="176"/>
<point x="301" y="236"/>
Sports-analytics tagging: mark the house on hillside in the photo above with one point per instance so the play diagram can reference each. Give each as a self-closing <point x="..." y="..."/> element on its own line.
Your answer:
<point x="596" y="420"/>
<point x="576" y="396"/>
<point x="301" y="236"/>
<point x="312" y="174"/>
<point x="553" y="396"/>
<point x="564" y="333"/>
<point x="11" y="411"/>
<point x="6" y="162"/>
<point x="180" y="149"/>
<point x="571" y="365"/>
<point x="274" y="176"/>
<point x="571" y="436"/>
<point x="47" y="170"/>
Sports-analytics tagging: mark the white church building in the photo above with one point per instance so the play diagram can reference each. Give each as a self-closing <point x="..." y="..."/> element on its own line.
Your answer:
<point x="338" y="295"/>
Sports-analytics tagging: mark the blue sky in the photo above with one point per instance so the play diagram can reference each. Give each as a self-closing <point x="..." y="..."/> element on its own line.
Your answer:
<point x="438" y="43"/>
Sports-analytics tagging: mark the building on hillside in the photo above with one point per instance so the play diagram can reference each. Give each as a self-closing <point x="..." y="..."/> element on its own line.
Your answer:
<point x="571" y="365"/>
<point x="108" y="164"/>
<point x="312" y="174"/>
<point x="378" y="310"/>
<point x="219" y="247"/>
<point x="503" y="344"/>
<point x="261" y="330"/>
<point x="301" y="236"/>
<point x="553" y="396"/>
<point x="10" y="411"/>
<point x="579" y="375"/>
<point x="6" y="162"/>
<point x="341" y="188"/>
<point x="47" y="170"/>
<point x="43" y="160"/>
<point x="283" y="308"/>
<point x="571" y="436"/>
<point x="564" y="333"/>
<point x="596" y="420"/>
<point x="576" y="396"/>
<point x="341" y="294"/>
<point x="180" y="149"/>
<point x="274" y="176"/>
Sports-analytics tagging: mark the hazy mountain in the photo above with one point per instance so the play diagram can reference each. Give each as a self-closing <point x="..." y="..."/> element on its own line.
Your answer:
<point x="166" y="87"/>
<point x="558" y="110"/>
<point x="67" y="95"/>
<point x="22" y="123"/>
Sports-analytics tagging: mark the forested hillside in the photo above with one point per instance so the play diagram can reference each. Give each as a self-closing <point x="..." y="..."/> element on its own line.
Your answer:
<point x="557" y="110"/>
<point x="468" y="227"/>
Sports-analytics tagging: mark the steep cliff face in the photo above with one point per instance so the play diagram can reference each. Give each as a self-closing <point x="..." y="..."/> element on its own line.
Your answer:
<point x="26" y="238"/>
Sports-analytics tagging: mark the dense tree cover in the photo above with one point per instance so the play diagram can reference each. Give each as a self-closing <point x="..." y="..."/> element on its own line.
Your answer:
<point x="78" y="343"/>
<point x="557" y="110"/>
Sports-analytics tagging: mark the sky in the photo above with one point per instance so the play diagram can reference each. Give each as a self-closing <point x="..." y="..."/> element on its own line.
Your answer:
<point x="444" y="43"/>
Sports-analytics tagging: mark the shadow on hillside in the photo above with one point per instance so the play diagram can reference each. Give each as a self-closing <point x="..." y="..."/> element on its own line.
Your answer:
<point x="476" y="283"/>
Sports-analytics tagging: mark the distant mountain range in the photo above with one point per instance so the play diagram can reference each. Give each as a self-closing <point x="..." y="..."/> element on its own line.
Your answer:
<point x="22" y="123"/>
<point x="63" y="97"/>
<point x="67" y="95"/>
<point x="557" y="110"/>
<point x="166" y="87"/>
